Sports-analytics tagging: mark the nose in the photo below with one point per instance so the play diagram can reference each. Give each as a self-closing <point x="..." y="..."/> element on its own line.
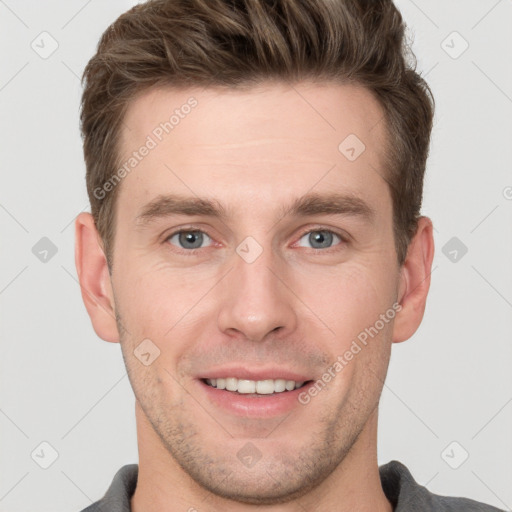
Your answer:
<point x="255" y="302"/>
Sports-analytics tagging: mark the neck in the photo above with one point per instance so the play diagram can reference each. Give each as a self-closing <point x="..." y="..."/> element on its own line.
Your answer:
<point x="163" y="486"/>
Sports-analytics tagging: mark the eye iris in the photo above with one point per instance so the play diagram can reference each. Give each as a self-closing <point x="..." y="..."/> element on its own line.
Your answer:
<point x="191" y="239"/>
<point x="320" y="239"/>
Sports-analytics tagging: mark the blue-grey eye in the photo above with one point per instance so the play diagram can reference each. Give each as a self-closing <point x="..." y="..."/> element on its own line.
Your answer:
<point x="319" y="239"/>
<point x="189" y="239"/>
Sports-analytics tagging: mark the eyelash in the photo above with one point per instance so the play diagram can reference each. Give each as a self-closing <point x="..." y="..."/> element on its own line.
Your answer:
<point x="343" y="239"/>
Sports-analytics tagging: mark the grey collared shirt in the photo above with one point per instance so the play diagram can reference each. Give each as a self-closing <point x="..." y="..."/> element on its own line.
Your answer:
<point x="398" y="484"/>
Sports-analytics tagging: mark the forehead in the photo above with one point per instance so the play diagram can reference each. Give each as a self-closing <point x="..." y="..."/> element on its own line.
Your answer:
<point x="211" y="140"/>
<point x="321" y="107"/>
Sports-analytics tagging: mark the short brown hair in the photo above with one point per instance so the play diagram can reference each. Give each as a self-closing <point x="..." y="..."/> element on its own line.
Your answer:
<point x="234" y="43"/>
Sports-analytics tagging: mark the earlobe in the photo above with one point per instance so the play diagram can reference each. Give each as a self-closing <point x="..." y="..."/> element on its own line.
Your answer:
<point x="414" y="281"/>
<point x="94" y="278"/>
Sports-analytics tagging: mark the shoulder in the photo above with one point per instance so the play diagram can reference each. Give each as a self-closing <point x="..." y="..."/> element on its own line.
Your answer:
<point x="406" y="495"/>
<point x="118" y="496"/>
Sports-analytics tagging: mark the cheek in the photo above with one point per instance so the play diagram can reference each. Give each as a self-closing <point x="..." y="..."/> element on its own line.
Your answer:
<point x="350" y="298"/>
<point x="153" y="300"/>
<point x="351" y="304"/>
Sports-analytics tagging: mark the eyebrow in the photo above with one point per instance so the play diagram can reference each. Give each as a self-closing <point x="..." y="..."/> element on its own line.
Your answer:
<point x="330" y="204"/>
<point x="164" y="206"/>
<point x="307" y="205"/>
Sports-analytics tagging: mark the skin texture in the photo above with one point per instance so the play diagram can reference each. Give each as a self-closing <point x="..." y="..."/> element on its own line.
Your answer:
<point x="295" y="306"/>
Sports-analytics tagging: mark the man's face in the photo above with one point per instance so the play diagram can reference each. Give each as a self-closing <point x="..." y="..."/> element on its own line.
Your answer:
<point x="264" y="291"/>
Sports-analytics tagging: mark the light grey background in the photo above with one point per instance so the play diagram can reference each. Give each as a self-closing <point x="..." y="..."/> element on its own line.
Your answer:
<point x="60" y="384"/>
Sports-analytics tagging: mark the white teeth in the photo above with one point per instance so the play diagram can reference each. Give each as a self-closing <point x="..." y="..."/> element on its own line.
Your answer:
<point x="246" y="386"/>
<point x="232" y="384"/>
<point x="279" y="385"/>
<point x="261" y="387"/>
<point x="265" y="387"/>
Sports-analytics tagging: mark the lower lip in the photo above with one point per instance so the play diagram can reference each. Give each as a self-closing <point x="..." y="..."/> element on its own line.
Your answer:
<point x="254" y="406"/>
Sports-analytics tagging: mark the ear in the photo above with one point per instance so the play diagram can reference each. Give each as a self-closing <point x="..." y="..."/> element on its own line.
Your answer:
<point x="414" y="281"/>
<point x="94" y="278"/>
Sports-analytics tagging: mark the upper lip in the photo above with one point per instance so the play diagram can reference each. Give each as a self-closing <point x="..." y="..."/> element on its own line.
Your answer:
<point x="245" y="373"/>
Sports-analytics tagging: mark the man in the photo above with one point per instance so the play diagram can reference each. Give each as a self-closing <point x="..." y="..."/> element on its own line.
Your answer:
<point x="255" y="173"/>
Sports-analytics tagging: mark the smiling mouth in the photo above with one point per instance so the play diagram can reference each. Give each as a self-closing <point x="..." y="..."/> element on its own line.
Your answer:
<point x="255" y="387"/>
